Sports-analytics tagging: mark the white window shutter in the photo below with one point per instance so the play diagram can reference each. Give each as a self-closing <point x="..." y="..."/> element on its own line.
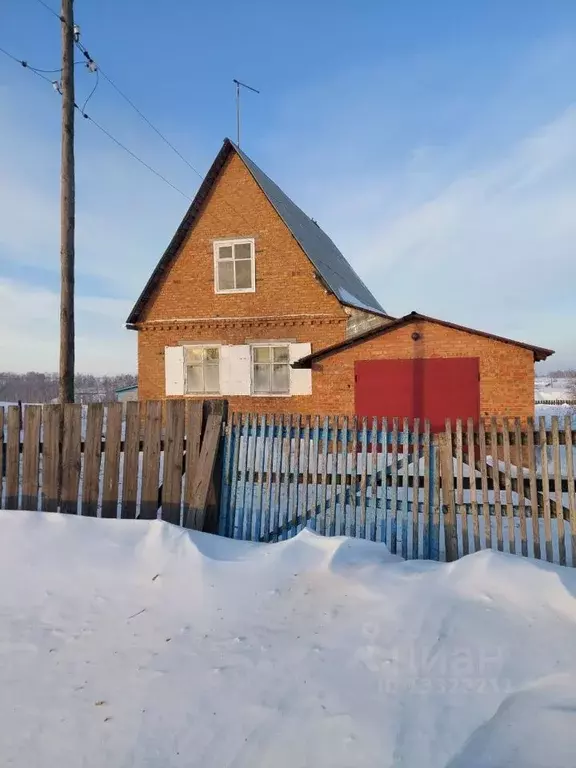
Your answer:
<point x="174" y="370"/>
<point x="235" y="370"/>
<point x="300" y="379"/>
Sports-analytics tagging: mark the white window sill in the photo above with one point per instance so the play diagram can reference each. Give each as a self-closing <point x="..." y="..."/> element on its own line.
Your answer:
<point x="234" y="290"/>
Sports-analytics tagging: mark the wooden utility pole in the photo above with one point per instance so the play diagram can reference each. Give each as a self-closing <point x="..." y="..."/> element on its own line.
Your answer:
<point x="67" y="206"/>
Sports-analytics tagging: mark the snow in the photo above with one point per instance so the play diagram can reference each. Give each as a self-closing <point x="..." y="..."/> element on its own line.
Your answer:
<point x="134" y="643"/>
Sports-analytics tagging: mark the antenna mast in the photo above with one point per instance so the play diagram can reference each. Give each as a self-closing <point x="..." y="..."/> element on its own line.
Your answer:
<point x="249" y="87"/>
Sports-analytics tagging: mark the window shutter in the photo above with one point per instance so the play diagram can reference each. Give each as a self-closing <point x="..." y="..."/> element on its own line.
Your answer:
<point x="235" y="370"/>
<point x="300" y="379"/>
<point x="174" y="370"/>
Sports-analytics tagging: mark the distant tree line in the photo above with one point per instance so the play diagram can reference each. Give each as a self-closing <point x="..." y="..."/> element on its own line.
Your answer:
<point x="36" y="387"/>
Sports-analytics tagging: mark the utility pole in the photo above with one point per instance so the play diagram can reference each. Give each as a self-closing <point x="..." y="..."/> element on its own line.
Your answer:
<point x="67" y="208"/>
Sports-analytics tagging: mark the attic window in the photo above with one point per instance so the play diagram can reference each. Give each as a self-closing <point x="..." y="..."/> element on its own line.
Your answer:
<point x="234" y="268"/>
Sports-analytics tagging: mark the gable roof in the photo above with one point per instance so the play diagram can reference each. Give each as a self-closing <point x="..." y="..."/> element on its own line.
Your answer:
<point x="540" y="353"/>
<point x="332" y="267"/>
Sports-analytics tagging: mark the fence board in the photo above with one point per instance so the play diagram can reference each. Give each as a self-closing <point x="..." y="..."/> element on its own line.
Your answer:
<point x="508" y="487"/>
<point x="51" y="424"/>
<point x="437" y="510"/>
<point x="111" y="481"/>
<point x="428" y="492"/>
<point x="71" y="457"/>
<point x="415" y="486"/>
<point x="2" y="460"/>
<point x="331" y="523"/>
<point x="244" y="432"/>
<point x="394" y="487"/>
<point x="267" y="503"/>
<point x="131" y="459"/>
<point x="196" y="517"/>
<point x="193" y="430"/>
<point x="173" y="460"/>
<point x="234" y="470"/>
<point x="545" y="490"/>
<point x="471" y="458"/>
<point x="341" y="508"/>
<point x="382" y="509"/>
<point x="251" y="445"/>
<point x="484" y="484"/>
<point x="521" y="492"/>
<point x="572" y="492"/>
<point x="261" y="469"/>
<point x="92" y="459"/>
<point x="448" y="495"/>
<point x="353" y="477"/>
<point x="496" y="478"/>
<point x="151" y="460"/>
<point x="374" y="480"/>
<point x="363" y="477"/>
<point x="315" y="469"/>
<point x="461" y="509"/>
<point x="285" y="468"/>
<point x="534" y="513"/>
<point x="306" y="465"/>
<point x="295" y="486"/>
<point x="189" y="463"/>
<point x="559" y="506"/>
<point x="324" y="479"/>
<point x="405" y="480"/>
<point x="12" y="457"/>
<point x="31" y="457"/>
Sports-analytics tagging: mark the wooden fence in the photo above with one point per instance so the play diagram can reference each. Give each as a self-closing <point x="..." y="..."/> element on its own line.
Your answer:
<point x="507" y="486"/>
<point x="144" y="460"/>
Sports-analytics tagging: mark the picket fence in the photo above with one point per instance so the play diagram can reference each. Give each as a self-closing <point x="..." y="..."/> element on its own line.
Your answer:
<point x="503" y="484"/>
<point x="507" y="486"/>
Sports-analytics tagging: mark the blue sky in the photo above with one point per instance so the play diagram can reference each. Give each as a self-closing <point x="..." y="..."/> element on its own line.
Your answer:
<point x="434" y="141"/>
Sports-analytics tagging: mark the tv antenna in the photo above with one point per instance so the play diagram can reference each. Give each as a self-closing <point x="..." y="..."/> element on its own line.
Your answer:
<point x="249" y="87"/>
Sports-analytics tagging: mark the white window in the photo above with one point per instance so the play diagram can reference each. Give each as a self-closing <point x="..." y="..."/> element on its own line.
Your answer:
<point x="271" y="370"/>
<point x="202" y="369"/>
<point x="234" y="269"/>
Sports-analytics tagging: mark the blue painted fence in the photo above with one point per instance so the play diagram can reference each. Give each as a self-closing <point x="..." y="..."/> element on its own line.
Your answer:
<point x="504" y="485"/>
<point x="284" y="473"/>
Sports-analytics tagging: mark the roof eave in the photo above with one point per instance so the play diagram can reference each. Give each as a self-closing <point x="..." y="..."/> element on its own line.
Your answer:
<point x="540" y="353"/>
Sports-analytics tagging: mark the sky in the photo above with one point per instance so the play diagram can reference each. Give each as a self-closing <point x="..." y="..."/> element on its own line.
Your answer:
<point x="435" y="142"/>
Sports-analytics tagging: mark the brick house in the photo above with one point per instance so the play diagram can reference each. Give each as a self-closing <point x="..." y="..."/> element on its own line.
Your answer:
<point x="250" y="285"/>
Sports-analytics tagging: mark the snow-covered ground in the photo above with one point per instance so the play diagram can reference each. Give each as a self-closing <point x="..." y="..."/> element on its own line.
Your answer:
<point x="128" y="643"/>
<point x="552" y="388"/>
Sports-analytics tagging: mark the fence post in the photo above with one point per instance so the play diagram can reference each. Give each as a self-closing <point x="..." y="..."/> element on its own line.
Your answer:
<point x="204" y="503"/>
<point x="447" y="472"/>
<point x="214" y="491"/>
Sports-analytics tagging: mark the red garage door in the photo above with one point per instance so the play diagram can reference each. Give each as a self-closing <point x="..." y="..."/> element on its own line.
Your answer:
<point x="431" y="388"/>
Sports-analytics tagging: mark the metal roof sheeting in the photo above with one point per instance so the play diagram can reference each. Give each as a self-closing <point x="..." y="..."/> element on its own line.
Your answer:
<point x="329" y="262"/>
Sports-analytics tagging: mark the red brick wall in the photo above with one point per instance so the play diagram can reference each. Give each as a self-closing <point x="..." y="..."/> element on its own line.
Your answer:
<point x="506" y="371"/>
<point x="153" y="339"/>
<point x="285" y="278"/>
<point x="289" y="302"/>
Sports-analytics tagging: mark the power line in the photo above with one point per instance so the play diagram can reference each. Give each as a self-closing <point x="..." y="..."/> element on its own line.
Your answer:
<point x="92" y="92"/>
<point x="91" y="63"/>
<point x="51" y="10"/>
<point x="150" y="124"/>
<point x="132" y="154"/>
<point x="100" y="127"/>
<point x="35" y="70"/>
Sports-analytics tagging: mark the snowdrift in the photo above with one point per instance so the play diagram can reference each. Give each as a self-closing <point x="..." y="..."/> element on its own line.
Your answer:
<point x="127" y="643"/>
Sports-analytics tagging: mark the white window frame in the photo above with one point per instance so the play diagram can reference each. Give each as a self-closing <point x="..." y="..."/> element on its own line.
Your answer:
<point x="269" y="345"/>
<point x="203" y="347"/>
<point x="233" y="242"/>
